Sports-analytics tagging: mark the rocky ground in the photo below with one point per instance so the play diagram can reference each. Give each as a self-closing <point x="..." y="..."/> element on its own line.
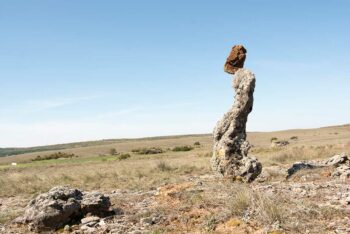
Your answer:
<point x="309" y="201"/>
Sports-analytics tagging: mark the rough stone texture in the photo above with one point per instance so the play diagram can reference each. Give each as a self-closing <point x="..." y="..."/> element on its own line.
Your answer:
<point x="95" y="203"/>
<point x="343" y="172"/>
<point x="341" y="162"/>
<point x="52" y="210"/>
<point x="235" y="60"/>
<point x="230" y="154"/>
<point x="61" y="206"/>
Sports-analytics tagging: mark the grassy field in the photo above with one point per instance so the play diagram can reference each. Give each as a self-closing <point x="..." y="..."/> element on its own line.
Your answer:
<point x="328" y="136"/>
<point x="95" y="168"/>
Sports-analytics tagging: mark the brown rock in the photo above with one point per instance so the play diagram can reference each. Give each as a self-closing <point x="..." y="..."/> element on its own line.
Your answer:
<point x="236" y="59"/>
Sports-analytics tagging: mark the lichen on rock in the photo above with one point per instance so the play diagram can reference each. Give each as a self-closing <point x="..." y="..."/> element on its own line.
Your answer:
<point x="61" y="206"/>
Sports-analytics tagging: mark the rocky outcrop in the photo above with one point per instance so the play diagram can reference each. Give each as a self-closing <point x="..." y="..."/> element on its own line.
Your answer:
<point x="341" y="162"/>
<point x="236" y="59"/>
<point x="61" y="206"/>
<point x="95" y="203"/>
<point x="230" y="154"/>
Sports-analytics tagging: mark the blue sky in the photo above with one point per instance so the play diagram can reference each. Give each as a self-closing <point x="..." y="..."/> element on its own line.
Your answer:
<point x="86" y="70"/>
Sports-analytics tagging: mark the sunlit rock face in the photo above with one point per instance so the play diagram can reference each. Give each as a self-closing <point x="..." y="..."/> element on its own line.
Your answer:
<point x="230" y="153"/>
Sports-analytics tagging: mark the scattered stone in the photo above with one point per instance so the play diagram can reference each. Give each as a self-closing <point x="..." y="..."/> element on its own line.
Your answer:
<point x="336" y="160"/>
<point x="147" y="221"/>
<point x="52" y="210"/>
<point x="341" y="162"/>
<point x="61" y="206"/>
<point x="230" y="153"/>
<point x="90" y="219"/>
<point x="299" y="166"/>
<point x="235" y="60"/>
<point x="88" y="229"/>
<point x="67" y="228"/>
<point x="343" y="172"/>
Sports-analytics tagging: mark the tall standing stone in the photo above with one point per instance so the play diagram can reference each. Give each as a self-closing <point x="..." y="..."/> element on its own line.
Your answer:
<point x="230" y="154"/>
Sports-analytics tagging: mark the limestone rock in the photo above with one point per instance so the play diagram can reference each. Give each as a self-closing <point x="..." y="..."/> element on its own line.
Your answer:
<point x="52" y="210"/>
<point x="341" y="162"/>
<point x="336" y="160"/>
<point x="236" y="59"/>
<point x="343" y="172"/>
<point x="90" y="219"/>
<point x="230" y="154"/>
<point x="95" y="203"/>
<point x="300" y="166"/>
<point x="61" y="206"/>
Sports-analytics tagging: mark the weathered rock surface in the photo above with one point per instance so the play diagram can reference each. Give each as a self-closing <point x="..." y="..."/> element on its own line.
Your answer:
<point x="341" y="162"/>
<point x="235" y="60"/>
<point x="230" y="154"/>
<point x="95" y="203"/>
<point x="61" y="206"/>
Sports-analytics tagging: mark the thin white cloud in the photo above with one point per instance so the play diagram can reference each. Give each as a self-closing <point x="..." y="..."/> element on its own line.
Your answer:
<point x="45" y="104"/>
<point x="133" y="122"/>
<point x="38" y="105"/>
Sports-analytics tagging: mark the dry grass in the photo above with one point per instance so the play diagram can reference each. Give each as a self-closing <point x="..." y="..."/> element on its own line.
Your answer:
<point x="136" y="173"/>
<point x="240" y="200"/>
<point x="306" y="137"/>
<point x="297" y="153"/>
<point x="146" y="171"/>
<point x="8" y="215"/>
<point x="244" y="200"/>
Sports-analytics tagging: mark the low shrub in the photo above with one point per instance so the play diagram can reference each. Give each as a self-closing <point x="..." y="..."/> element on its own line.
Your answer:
<point x="267" y="209"/>
<point x="163" y="166"/>
<point x="113" y="151"/>
<point x="182" y="148"/>
<point x="124" y="156"/>
<point x="197" y="143"/>
<point x="152" y="150"/>
<point x="56" y="155"/>
<point x="294" y="138"/>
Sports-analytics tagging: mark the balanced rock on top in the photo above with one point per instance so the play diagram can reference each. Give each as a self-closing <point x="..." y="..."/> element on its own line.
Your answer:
<point x="236" y="59"/>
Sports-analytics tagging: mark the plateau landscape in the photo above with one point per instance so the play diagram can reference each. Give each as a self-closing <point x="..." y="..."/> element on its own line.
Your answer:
<point x="174" y="117"/>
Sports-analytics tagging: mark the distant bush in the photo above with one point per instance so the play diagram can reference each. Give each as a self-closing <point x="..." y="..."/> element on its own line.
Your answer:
<point x="54" y="156"/>
<point x="113" y="151"/>
<point x="273" y="139"/>
<point x="182" y="148"/>
<point x="294" y="138"/>
<point x="124" y="156"/>
<point x="197" y="143"/>
<point x="152" y="150"/>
